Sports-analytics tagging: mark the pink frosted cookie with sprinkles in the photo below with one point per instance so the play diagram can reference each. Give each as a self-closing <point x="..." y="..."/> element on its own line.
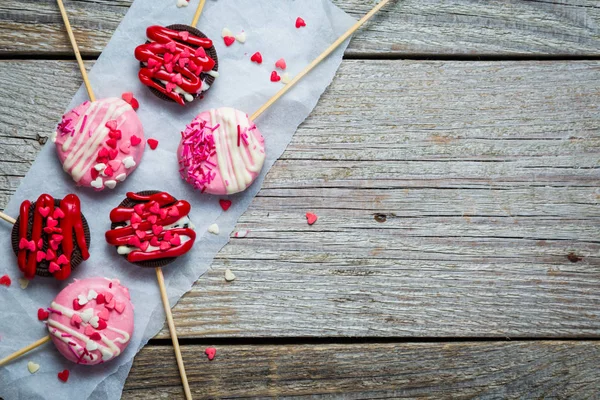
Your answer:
<point x="91" y="320"/>
<point x="221" y="152"/>
<point x="100" y="143"/>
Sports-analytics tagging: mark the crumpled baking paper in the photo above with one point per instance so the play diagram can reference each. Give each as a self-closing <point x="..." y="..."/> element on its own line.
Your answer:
<point x="270" y="29"/>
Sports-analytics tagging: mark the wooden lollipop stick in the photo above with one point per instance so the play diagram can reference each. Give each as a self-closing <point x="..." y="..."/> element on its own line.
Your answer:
<point x="24" y="350"/>
<point x="167" y="307"/>
<point x="8" y="218"/>
<point x="86" y="81"/>
<point x="320" y="58"/>
<point x="198" y="12"/>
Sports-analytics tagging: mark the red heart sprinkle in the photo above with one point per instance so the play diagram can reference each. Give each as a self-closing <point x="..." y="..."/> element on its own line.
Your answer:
<point x="167" y="236"/>
<point x="95" y="336"/>
<point x="275" y="77"/>
<point x="257" y="58"/>
<point x="51" y="255"/>
<point x="5" y="280"/>
<point x="76" y="305"/>
<point x="139" y="208"/>
<point x="108" y="171"/>
<point x="200" y="53"/>
<point x="102" y="323"/>
<point x="229" y="40"/>
<point x="144" y="245"/>
<point x="153" y="143"/>
<point x="156" y="229"/>
<point x="175" y="240"/>
<point x="154" y="242"/>
<point x="140" y="234"/>
<point x="112" y="154"/>
<point x="281" y="64"/>
<point x="127" y="96"/>
<point x="100" y="298"/>
<point x="43" y="314"/>
<point x="210" y="352"/>
<point x="300" y="22"/>
<point x="165" y="246"/>
<point x="112" y="124"/>
<point x="134" y="241"/>
<point x="135" y="140"/>
<point x="44" y="211"/>
<point x="111" y="143"/>
<point x="115" y="134"/>
<point x="62" y="260"/>
<point x="135" y="218"/>
<point x="311" y="218"/>
<point x="152" y="219"/>
<point x="171" y="46"/>
<point x="184" y="35"/>
<point x="53" y="267"/>
<point x="154" y="208"/>
<point x="135" y="104"/>
<point x="64" y="375"/>
<point x="51" y="222"/>
<point x="58" y="213"/>
<point x="168" y="57"/>
<point x="225" y="204"/>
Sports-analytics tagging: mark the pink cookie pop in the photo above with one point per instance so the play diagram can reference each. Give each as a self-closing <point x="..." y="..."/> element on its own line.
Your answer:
<point x="91" y="320"/>
<point x="100" y="143"/>
<point x="221" y="151"/>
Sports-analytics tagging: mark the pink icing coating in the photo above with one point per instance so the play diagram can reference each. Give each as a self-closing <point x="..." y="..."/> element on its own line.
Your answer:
<point x="221" y="151"/>
<point x="71" y="333"/>
<point x="82" y="135"/>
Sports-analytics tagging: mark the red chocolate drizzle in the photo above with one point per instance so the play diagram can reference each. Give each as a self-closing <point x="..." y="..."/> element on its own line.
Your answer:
<point x="167" y="210"/>
<point x="57" y="231"/>
<point x="175" y="57"/>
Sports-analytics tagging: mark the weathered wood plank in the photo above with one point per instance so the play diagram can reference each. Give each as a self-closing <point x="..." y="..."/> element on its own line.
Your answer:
<point x="509" y="370"/>
<point x="408" y="27"/>
<point x="486" y="174"/>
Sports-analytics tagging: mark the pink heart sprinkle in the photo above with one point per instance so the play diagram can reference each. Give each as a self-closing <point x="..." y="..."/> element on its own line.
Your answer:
<point x="45" y="211"/>
<point x="54" y="267"/>
<point x="281" y="64"/>
<point x="62" y="260"/>
<point x="210" y="352"/>
<point x="108" y="297"/>
<point x="114" y="164"/>
<point x="76" y="320"/>
<point x="111" y="304"/>
<point x="152" y="63"/>
<point x="89" y="331"/>
<point x="135" y="218"/>
<point x="184" y="35"/>
<point x="154" y="241"/>
<point x="165" y="246"/>
<point x="156" y="229"/>
<point x="175" y="240"/>
<point x="144" y="245"/>
<point x="125" y="146"/>
<point x="171" y="46"/>
<point x="133" y="241"/>
<point x="104" y="314"/>
<point x="139" y="208"/>
<point x="40" y="256"/>
<point x="51" y="222"/>
<point x="119" y="307"/>
<point x="170" y="87"/>
<point x="174" y="212"/>
<point x="200" y="53"/>
<point x="168" y="236"/>
<point x="152" y="219"/>
<point x="140" y="234"/>
<point x="50" y="255"/>
<point x="58" y="213"/>
<point x="112" y="124"/>
<point x="311" y="218"/>
<point x="155" y="209"/>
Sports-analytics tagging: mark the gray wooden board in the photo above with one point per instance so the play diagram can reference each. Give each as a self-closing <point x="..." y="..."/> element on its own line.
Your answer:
<point x="490" y="370"/>
<point x="406" y="27"/>
<point x="486" y="174"/>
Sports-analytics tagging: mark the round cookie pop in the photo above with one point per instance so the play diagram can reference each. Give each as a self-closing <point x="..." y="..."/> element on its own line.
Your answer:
<point x="178" y="63"/>
<point x="91" y="320"/>
<point x="100" y="143"/>
<point x="50" y="237"/>
<point x="151" y="228"/>
<point x="221" y="151"/>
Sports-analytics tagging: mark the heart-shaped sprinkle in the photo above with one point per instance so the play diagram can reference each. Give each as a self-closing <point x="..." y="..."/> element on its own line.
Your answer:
<point x="177" y="78"/>
<point x="134" y="104"/>
<point x="91" y="346"/>
<point x="311" y="218"/>
<point x="140" y="234"/>
<point x="53" y="267"/>
<point x="54" y="245"/>
<point x="100" y="167"/>
<point x="170" y="87"/>
<point x="168" y="236"/>
<point x="257" y="58"/>
<point x="113" y="153"/>
<point x="104" y="314"/>
<point x="27" y="244"/>
<point x="300" y="22"/>
<point x="23" y="283"/>
<point x="40" y="256"/>
<point x="165" y="246"/>
<point x="40" y="244"/>
<point x="114" y="164"/>
<point x="33" y="367"/>
<point x="156" y="229"/>
<point x="241" y="37"/>
<point x="285" y="78"/>
<point x="183" y="62"/>
<point x="135" y="140"/>
<point x="101" y="324"/>
<point x="153" y="63"/>
<point x="152" y="219"/>
<point x="86" y="315"/>
<point x="121" y="177"/>
<point x="58" y="213"/>
<point x="115" y="135"/>
<point x="154" y="208"/>
<point x="229" y="40"/>
<point x="42" y="314"/>
<point x="182" y="3"/>
<point x="173" y="212"/>
<point x="127" y="96"/>
<point x="64" y="375"/>
<point x="82" y="300"/>
<point x="108" y="297"/>
<point x="76" y="320"/>
<point x="92" y="294"/>
<point x="62" y="260"/>
<point x="225" y="204"/>
<point x="97" y="183"/>
<point x="135" y="217"/>
<point x="100" y="298"/>
<point x="108" y="171"/>
<point x="44" y="211"/>
<point x="112" y="124"/>
<point x="119" y="307"/>
<point x="110" y="305"/>
<point x="169" y="68"/>
<point x="111" y="143"/>
<point x="50" y="254"/>
<point x="153" y="143"/>
<point x="95" y="336"/>
<point x="139" y="209"/>
<point x="229" y="276"/>
<point x="154" y="241"/>
<point x="214" y="229"/>
<point x="175" y="240"/>
<point x="128" y="162"/>
<point x="144" y="245"/>
<point x="281" y="64"/>
<point x="89" y="331"/>
<point x="94" y="174"/>
<point x="110" y="184"/>
<point x="168" y="57"/>
<point x="163" y="213"/>
<point x="275" y="77"/>
<point x="102" y="155"/>
<point x="226" y="32"/>
<point x="210" y="352"/>
<point x="200" y="53"/>
<point x="125" y="147"/>
<point x="94" y="321"/>
<point x="172" y="47"/>
<point x="76" y="305"/>
<point x="184" y="35"/>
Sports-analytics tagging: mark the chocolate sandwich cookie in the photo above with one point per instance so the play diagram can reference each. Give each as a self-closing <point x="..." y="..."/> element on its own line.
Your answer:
<point x="151" y="228"/>
<point x="50" y="237"/>
<point x="178" y="63"/>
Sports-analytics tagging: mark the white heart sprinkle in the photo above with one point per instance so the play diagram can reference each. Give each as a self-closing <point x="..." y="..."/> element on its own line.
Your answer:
<point x="106" y="354"/>
<point x="285" y="78"/>
<point x="121" y="177"/>
<point x="86" y="315"/>
<point x="214" y="229"/>
<point x="91" y="346"/>
<point x="182" y="3"/>
<point x="97" y="183"/>
<point x="229" y="276"/>
<point x="23" y="283"/>
<point x="241" y="37"/>
<point x="110" y="184"/>
<point x="94" y="320"/>
<point x="128" y="162"/>
<point x="226" y="32"/>
<point x="100" y="167"/>
<point x="82" y="299"/>
<point x="33" y="367"/>
<point x="92" y="294"/>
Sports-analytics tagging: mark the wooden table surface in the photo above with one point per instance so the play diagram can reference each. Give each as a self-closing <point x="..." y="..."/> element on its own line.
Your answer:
<point x="454" y="166"/>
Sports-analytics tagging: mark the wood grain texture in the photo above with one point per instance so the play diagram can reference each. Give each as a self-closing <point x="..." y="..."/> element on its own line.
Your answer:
<point x="485" y="173"/>
<point x="490" y="370"/>
<point x="408" y="27"/>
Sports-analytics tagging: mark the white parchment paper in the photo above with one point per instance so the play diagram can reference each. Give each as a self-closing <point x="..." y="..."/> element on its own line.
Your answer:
<point x="270" y="28"/>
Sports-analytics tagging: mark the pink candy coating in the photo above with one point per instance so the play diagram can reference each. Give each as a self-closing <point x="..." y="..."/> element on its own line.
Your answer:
<point x="73" y="331"/>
